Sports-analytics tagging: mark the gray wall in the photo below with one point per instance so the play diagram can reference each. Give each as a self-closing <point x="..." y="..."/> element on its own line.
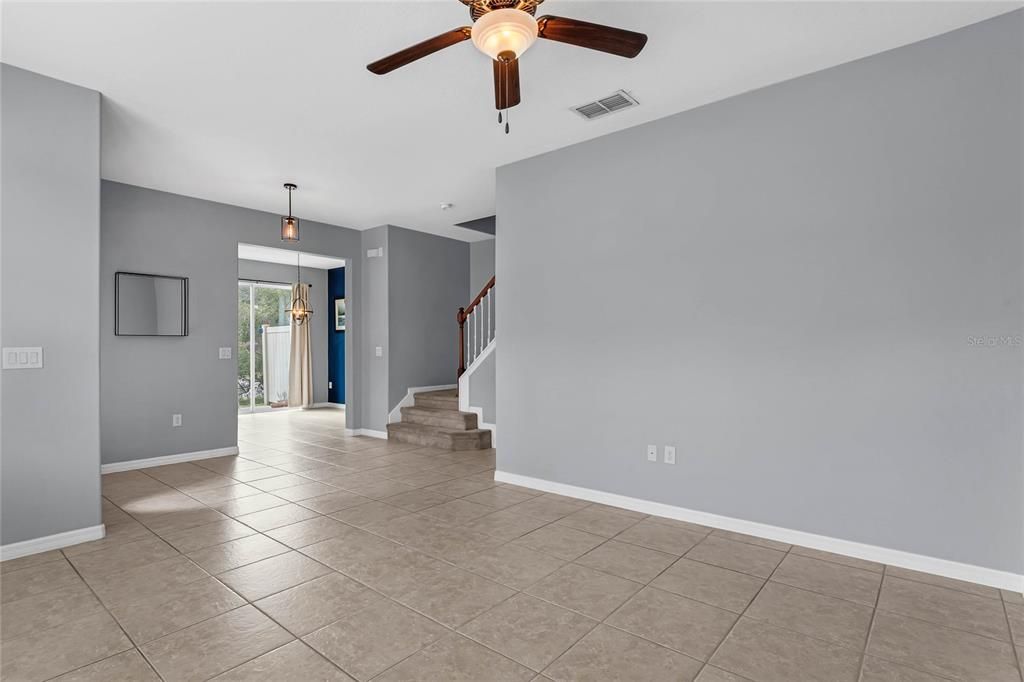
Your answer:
<point x="318" y="298"/>
<point x="428" y="277"/>
<point x="788" y="286"/>
<point x="50" y="238"/>
<point x="374" y="330"/>
<point x="145" y="380"/>
<point x="481" y="266"/>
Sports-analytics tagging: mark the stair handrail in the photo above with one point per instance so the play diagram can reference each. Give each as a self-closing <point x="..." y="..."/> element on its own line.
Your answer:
<point x="461" y="318"/>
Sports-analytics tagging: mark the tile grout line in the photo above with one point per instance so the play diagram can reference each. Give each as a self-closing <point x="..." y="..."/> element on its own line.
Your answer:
<point x="1013" y="643"/>
<point x="246" y="601"/>
<point x="252" y="603"/>
<point x="745" y="609"/>
<point x="138" y="646"/>
<point x="114" y="619"/>
<point x="871" y="625"/>
<point x="549" y="523"/>
<point x="502" y="543"/>
<point x="388" y="598"/>
<point x="552" y="522"/>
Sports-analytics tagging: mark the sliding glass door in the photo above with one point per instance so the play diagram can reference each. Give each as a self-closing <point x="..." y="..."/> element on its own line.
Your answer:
<point x="264" y="345"/>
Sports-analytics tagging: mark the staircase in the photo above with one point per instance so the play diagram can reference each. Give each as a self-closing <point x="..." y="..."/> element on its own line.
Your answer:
<point x="434" y="420"/>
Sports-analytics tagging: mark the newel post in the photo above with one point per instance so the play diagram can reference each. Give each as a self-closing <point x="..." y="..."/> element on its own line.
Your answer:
<point x="461" y="318"/>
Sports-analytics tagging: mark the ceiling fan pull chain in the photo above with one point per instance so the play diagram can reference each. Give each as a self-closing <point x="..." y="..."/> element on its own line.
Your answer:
<point x="499" y="117"/>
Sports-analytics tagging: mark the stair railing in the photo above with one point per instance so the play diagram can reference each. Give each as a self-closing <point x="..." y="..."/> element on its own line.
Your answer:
<point x="480" y="316"/>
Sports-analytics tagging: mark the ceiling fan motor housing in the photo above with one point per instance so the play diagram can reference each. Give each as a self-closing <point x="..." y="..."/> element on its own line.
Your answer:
<point x="478" y="8"/>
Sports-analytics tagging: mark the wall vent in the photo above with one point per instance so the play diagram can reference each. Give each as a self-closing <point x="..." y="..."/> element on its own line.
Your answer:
<point x="616" y="101"/>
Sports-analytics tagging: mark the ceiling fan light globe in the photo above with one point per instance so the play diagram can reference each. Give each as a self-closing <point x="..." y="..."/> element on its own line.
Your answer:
<point x="504" y="30"/>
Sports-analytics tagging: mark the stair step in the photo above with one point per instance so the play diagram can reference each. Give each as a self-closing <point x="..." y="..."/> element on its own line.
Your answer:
<point x="439" y="437"/>
<point x="447" y="399"/>
<point x="433" y="416"/>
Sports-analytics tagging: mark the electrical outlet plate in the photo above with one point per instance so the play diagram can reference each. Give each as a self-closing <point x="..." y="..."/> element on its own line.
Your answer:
<point x="670" y="454"/>
<point x="652" y="453"/>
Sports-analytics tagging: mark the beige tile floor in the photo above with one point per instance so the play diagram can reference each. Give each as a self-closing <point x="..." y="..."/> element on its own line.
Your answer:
<point x="315" y="556"/>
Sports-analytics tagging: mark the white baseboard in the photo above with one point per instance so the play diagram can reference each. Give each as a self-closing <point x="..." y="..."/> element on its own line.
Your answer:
<point x="331" y="406"/>
<point x="131" y="464"/>
<point x="395" y="415"/>
<point x="367" y="432"/>
<point x="55" y="541"/>
<point x="894" y="557"/>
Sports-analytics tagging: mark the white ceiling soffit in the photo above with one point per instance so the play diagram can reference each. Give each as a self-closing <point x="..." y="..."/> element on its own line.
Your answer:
<point x="227" y="100"/>
<point x="268" y="254"/>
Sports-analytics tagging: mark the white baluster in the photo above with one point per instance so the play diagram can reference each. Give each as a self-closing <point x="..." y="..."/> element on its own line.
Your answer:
<point x="489" y="317"/>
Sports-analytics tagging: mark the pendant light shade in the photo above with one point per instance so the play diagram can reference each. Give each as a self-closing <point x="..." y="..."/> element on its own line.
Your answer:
<point x="299" y="309"/>
<point x="289" y="223"/>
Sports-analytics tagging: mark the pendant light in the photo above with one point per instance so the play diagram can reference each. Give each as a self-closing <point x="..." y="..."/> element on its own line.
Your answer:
<point x="299" y="310"/>
<point x="289" y="223"/>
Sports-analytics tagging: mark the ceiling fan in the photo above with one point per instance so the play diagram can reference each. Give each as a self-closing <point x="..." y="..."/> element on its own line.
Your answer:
<point x="504" y="30"/>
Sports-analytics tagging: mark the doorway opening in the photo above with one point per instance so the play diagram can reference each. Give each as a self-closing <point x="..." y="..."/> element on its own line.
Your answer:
<point x="272" y="349"/>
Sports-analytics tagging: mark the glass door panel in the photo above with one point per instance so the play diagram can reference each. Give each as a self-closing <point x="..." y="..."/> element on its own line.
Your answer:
<point x="264" y="345"/>
<point x="244" y="331"/>
<point x="271" y="344"/>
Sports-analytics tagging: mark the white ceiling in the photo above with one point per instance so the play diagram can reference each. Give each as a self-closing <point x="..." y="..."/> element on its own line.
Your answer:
<point x="226" y="101"/>
<point x="269" y="254"/>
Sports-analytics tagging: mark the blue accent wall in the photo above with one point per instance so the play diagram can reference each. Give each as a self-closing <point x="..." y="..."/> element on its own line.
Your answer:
<point x="336" y="339"/>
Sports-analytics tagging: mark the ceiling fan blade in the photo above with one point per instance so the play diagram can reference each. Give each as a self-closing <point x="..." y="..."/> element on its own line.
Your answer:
<point x="506" y="83"/>
<point x="615" y="41"/>
<point x="419" y="50"/>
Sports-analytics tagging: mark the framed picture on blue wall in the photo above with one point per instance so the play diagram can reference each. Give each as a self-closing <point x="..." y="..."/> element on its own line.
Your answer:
<point x="339" y="314"/>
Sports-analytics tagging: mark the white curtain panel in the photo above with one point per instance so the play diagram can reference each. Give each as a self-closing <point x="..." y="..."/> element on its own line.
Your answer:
<point x="300" y="365"/>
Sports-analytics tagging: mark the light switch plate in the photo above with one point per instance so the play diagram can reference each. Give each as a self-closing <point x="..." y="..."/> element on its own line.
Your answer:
<point x="30" y="357"/>
<point x="379" y="351"/>
<point x="175" y="420"/>
<point x="224" y="353"/>
<point x="670" y="454"/>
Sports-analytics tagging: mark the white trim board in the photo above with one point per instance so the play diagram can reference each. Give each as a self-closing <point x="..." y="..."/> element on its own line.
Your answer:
<point x="132" y="464"/>
<point x="464" y="394"/>
<point x="477" y="361"/>
<point x="367" y="432"/>
<point x="330" y="406"/>
<point x="15" y="550"/>
<point x="395" y="415"/>
<point x="894" y="557"/>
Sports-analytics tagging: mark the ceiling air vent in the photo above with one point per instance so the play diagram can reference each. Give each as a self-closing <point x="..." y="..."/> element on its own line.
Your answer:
<point x="606" y="105"/>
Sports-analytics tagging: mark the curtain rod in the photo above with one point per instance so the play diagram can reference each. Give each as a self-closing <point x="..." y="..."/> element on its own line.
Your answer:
<point x="267" y="281"/>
